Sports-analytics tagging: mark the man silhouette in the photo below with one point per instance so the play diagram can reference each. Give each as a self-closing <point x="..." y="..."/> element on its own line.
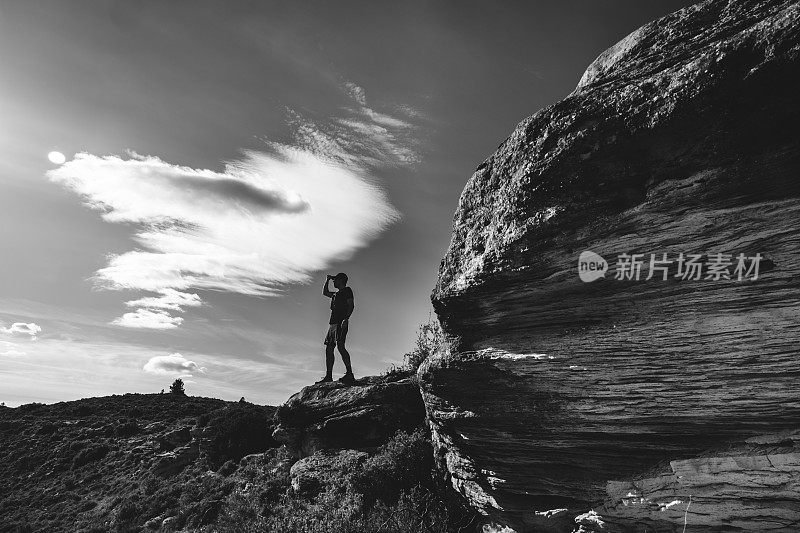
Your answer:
<point x="341" y="308"/>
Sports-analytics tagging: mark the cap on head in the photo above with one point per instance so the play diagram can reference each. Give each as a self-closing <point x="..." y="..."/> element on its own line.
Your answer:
<point x="342" y="276"/>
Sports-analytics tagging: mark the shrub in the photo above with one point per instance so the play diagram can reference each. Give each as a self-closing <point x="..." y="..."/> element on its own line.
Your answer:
<point x="402" y="463"/>
<point x="47" y="428"/>
<point x="396" y="372"/>
<point x="70" y="482"/>
<point x="177" y="388"/>
<point x="201" y="499"/>
<point x="151" y="484"/>
<point x="392" y="492"/>
<point x="228" y="468"/>
<point x="30" y="407"/>
<point x="127" y="429"/>
<point x="90" y="454"/>
<point x="238" y="430"/>
<point x="429" y="340"/>
<point x="82" y="410"/>
<point x="277" y="464"/>
<point x="125" y="513"/>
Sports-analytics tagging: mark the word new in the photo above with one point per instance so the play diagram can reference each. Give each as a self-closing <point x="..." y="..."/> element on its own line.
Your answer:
<point x="719" y="266"/>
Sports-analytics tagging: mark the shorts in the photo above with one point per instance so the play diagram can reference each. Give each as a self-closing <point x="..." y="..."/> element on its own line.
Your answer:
<point x="336" y="333"/>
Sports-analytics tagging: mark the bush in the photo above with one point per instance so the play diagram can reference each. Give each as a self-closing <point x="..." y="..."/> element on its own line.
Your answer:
<point x="238" y="430"/>
<point x="201" y="500"/>
<point x="127" y="428"/>
<point x="125" y="513"/>
<point x="430" y="338"/>
<point x="47" y="428"/>
<point x="90" y="454"/>
<point x="401" y="464"/>
<point x="177" y="388"/>
<point x="30" y="407"/>
<point x="151" y="484"/>
<point x="393" y="491"/>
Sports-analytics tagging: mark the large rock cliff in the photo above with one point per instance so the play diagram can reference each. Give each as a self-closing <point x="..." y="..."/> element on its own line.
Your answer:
<point x="554" y="393"/>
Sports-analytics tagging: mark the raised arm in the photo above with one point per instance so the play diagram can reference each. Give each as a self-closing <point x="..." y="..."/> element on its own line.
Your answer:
<point x="325" y="290"/>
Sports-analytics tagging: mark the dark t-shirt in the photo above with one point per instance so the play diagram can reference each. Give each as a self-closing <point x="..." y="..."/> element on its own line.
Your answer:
<point x="339" y="305"/>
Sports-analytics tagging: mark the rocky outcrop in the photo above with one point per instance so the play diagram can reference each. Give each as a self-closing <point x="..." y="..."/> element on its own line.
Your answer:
<point x="680" y="139"/>
<point x="174" y="438"/>
<point x="337" y="416"/>
<point x="309" y="475"/>
<point x="756" y="486"/>
<point x="754" y="492"/>
<point x="169" y="463"/>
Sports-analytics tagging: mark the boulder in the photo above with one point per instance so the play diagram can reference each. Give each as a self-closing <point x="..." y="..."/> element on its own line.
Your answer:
<point x="361" y="416"/>
<point x="310" y="475"/>
<point x="170" y="523"/>
<point x="680" y="139"/>
<point x="256" y="459"/>
<point x="174" y="438"/>
<point x="172" y="462"/>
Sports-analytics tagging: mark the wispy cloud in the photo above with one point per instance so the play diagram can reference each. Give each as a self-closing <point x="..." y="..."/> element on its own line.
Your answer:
<point x="10" y="349"/>
<point x="146" y="318"/>
<point x="170" y="299"/>
<point x="362" y="136"/>
<point x="174" y="364"/>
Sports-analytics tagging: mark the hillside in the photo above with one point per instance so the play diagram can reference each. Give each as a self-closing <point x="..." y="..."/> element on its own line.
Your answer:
<point x="344" y="458"/>
<point x="112" y="463"/>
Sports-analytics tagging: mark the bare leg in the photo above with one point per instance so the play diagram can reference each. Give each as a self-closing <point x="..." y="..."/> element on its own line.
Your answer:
<point x="345" y="356"/>
<point x="329" y="359"/>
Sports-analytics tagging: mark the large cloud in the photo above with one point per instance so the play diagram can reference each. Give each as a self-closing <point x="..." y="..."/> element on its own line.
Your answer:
<point x="197" y="237"/>
<point x="222" y="243"/>
<point x="269" y="219"/>
<point x="174" y="364"/>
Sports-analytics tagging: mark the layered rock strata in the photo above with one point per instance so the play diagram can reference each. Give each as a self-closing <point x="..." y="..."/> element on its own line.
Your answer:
<point x="682" y="140"/>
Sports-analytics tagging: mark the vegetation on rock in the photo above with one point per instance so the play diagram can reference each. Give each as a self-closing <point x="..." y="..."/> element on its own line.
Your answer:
<point x="393" y="490"/>
<point x="429" y="340"/>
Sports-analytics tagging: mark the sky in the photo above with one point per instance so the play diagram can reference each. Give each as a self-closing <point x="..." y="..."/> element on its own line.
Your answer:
<point x="223" y="157"/>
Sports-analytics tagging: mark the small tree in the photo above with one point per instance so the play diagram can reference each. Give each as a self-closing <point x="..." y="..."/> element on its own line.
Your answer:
<point x="177" y="387"/>
<point x="429" y="339"/>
